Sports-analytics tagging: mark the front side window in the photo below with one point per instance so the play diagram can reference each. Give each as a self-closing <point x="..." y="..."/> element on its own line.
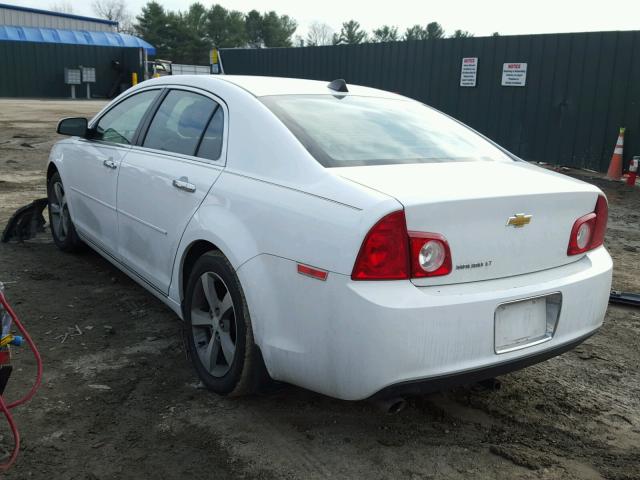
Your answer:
<point x="179" y="123"/>
<point x="345" y="131"/>
<point x="119" y="124"/>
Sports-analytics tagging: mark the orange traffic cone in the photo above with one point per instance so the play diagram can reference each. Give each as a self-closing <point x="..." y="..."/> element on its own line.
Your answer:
<point x="615" y="167"/>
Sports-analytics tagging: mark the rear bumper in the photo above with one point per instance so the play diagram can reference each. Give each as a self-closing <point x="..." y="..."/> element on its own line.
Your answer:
<point x="444" y="382"/>
<point x="353" y="340"/>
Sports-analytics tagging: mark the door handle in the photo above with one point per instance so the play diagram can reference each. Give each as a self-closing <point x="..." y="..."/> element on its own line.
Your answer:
<point x="183" y="184"/>
<point x="109" y="164"/>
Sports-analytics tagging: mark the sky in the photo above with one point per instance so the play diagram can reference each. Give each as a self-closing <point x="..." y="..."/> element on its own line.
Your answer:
<point x="480" y="17"/>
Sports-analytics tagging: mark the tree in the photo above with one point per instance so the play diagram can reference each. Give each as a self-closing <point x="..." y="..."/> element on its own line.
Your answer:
<point x="461" y="34"/>
<point x="177" y="37"/>
<point x="153" y="26"/>
<point x="385" y="34"/>
<point x="415" y="33"/>
<point x="269" y="29"/>
<point x="350" y="34"/>
<point x="189" y="32"/>
<point x="226" y="28"/>
<point x="253" y="28"/>
<point x="495" y="34"/>
<point x="116" y="11"/>
<point x="196" y="18"/>
<point x="277" y="29"/>
<point x="187" y="37"/>
<point x="319" y="34"/>
<point x="61" y="7"/>
<point x="434" y="30"/>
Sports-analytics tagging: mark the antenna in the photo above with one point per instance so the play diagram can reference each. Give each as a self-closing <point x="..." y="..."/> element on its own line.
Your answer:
<point x="339" y="85"/>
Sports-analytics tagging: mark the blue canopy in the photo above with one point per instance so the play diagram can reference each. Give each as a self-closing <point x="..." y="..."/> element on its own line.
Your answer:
<point x="76" y="37"/>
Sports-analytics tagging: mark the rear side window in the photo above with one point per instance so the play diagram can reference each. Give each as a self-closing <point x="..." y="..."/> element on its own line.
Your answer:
<point x="119" y="124"/>
<point x="345" y="131"/>
<point x="179" y="123"/>
<point x="211" y="145"/>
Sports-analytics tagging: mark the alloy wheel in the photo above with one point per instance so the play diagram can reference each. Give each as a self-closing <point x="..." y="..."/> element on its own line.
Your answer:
<point x="60" y="219"/>
<point x="213" y="324"/>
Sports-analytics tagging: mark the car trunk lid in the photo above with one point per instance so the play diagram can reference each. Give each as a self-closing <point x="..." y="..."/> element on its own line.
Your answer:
<point x="478" y="205"/>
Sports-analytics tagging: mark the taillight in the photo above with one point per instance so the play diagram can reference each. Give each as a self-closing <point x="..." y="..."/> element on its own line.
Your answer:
<point x="430" y="255"/>
<point x="588" y="231"/>
<point x="384" y="254"/>
<point x="389" y="252"/>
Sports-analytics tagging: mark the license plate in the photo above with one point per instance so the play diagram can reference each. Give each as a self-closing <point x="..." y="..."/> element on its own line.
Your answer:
<point x="524" y="323"/>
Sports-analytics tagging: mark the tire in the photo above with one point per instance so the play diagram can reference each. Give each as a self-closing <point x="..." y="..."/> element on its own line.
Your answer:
<point x="215" y="321"/>
<point x="62" y="229"/>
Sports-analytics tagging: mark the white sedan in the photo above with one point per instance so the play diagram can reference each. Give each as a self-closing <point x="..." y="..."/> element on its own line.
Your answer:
<point x="340" y="238"/>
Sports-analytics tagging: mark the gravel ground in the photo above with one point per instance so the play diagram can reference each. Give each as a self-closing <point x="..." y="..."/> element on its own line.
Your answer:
<point x="119" y="399"/>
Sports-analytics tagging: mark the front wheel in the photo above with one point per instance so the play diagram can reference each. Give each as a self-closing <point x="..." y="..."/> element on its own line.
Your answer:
<point x="62" y="229"/>
<point x="218" y="329"/>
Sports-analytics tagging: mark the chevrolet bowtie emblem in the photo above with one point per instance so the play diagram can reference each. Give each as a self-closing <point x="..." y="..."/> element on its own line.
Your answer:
<point x="519" y="220"/>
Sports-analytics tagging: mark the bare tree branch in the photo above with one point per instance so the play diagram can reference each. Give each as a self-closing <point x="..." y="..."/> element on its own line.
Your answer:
<point x="61" y="7"/>
<point x="319" y="34"/>
<point x="116" y="11"/>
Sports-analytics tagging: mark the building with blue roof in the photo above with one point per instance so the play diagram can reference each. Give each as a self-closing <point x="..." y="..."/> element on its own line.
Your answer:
<point x="72" y="37"/>
<point x="33" y="17"/>
<point x="37" y="45"/>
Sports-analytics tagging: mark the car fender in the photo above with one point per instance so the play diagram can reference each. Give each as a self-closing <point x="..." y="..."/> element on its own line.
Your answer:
<point x="245" y="217"/>
<point x="220" y="227"/>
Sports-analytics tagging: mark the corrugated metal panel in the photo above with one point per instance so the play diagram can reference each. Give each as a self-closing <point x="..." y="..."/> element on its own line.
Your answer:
<point x="580" y="87"/>
<point x="37" y="69"/>
<point x="182" y="69"/>
<point x="27" y="17"/>
<point x="75" y="37"/>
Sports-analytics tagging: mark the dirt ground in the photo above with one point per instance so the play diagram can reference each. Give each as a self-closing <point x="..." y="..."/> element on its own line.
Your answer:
<point x="119" y="399"/>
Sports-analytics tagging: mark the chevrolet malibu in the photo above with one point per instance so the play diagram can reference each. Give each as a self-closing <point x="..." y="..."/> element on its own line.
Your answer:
<point x="340" y="238"/>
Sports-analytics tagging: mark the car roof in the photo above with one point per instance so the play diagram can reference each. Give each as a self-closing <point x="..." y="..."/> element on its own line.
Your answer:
<point x="260" y="86"/>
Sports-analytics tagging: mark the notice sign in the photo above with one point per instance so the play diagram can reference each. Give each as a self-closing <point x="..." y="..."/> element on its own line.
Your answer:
<point x="469" y="72"/>
<point x="514" y="74"/>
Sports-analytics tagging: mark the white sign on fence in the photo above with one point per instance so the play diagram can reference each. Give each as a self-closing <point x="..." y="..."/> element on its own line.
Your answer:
<point x="469" y="72"/>
<point x="514" y="74"/>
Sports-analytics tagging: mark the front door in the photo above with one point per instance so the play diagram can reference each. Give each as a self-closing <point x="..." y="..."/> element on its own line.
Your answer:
<point x="91" y="166"/>
<point x="164" y="180"/>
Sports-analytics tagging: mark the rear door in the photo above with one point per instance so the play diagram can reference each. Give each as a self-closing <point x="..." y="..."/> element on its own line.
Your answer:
<point x="91" y="168"/>
<point x="165" y="178"/>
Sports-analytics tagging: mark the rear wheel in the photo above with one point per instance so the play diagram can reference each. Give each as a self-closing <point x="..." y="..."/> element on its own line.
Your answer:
<point x="218" y="329"/>
<point x="62" y="229"/>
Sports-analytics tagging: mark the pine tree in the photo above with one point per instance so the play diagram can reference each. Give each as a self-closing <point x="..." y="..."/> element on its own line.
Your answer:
<point x="152" y="26"/>
<point x="277" y="29"/>
<point x="226" y="28"/>
<point x="385" y="34"/>
<point x="461" y="34"/>
<point x="415" y="33"/>
<point x="350" y="34"/>
<point x="434" y="30"/>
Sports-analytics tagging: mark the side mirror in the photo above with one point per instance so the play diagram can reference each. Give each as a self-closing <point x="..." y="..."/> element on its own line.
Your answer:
<point x="75" y="127"/>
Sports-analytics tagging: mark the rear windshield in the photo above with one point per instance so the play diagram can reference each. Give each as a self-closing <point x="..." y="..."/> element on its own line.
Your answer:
<point x="346" y="131"/>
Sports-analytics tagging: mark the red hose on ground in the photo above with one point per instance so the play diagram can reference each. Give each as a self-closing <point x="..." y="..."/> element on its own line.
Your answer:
<point x="3" y="406"/>
<point x="16" y="436"/>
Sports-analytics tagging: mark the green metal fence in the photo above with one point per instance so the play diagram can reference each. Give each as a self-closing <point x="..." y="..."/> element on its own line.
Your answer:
<point x="32" y="69"/>
<point x="580" y="87"/>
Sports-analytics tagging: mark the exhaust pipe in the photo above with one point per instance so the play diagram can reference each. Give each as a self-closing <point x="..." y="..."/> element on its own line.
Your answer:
<point x="391" y="406"/>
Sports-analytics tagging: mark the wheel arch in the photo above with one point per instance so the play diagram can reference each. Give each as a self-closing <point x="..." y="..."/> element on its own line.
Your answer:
<point x="190" y="256"/>
<point x="51" y="170"/>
